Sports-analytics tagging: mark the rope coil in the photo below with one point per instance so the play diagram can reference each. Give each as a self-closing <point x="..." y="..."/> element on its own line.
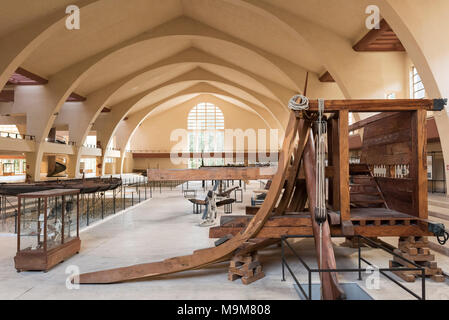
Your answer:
<point x="302" y="105"/>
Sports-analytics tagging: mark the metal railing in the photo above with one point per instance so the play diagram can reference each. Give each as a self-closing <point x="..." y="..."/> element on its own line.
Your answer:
<point x="93" y="206"/>
<point x="97" y="206"/>
<point x="373" y="244"/>
<point x="17" y="136"/>
<point x="61" y="141"/>
<point x="90" y="146"/>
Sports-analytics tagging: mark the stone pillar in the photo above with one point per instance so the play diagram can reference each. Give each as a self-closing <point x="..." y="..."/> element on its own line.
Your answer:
<point x="100" y="170"/>
<point x="33" y="165"/>
<point x="73" y="165"/>
<point x="51" y="159"/>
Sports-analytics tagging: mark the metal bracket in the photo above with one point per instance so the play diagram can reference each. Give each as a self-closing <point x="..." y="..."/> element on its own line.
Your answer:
<point x="436" y="228"/>
<point x="439" y="104"/>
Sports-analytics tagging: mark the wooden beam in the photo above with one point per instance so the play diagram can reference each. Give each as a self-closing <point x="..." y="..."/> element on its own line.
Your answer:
<point x="294" y="169"/>
<point x="382" y="39"/>
<point x="432" y="130"/>
<point x="343" y="150"/>
<point x="246" y="173"/>
<point x="199" y="155"/>
<point x="24" y="77"/>
<point x="265" y="233"/>
<point x="362" y="123"/>
<point x="418" y="165"/>
<point x="355" y="142"/>
<point x="336" y="231"/>
<point x="300" y="219"/>
<point x="7" y="96"/>
<point x="377" y="105"/>
<point x="74" y="97"/>
<point x="335" y="163"/>
<point x="326" y="77"/>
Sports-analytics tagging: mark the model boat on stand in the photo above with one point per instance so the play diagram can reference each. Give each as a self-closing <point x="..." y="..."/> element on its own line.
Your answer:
<point x="87" y="185"/>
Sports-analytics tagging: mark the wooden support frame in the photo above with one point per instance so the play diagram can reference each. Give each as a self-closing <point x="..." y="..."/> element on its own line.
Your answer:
<point x="334" y="153"/>
<point x="418" y="165"/>
<point x="381" y="39"/>
<point x="343" y="164"/>
<point x="237" y="173"/>
<point x="378" y="105"/>
<point x="24" y="77"/>
<point x="7" y="96"/>
<point x="260" y="231"/>
<point x="326" y="77"/>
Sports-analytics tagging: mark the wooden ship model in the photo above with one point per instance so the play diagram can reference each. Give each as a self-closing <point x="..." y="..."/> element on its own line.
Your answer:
<point x="358" y="202"/>
<point x="85" y="185"/>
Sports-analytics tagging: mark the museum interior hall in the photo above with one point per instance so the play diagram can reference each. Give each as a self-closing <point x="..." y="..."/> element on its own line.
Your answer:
<point x="224" y="149"/>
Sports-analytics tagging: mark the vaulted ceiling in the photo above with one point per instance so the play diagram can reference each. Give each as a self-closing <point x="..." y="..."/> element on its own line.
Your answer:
<point x="153" y="49"/>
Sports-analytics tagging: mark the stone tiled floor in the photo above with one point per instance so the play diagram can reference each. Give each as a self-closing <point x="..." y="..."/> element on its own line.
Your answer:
<point x="164" y="227"/>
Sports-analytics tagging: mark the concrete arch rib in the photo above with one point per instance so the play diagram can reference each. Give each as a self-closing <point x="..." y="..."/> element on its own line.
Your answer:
<point x="42" y="117"/>
<point x="99" y="99"/>
<point x="109" y="124"/>
<point x="18" y="45"/>
<point x="66" y="81"/>
<point x="352" y="71"/>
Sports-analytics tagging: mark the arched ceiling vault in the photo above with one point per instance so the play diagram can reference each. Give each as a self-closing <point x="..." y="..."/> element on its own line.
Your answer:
<point x="125" y="130"/>
<point x="107" y="125"/>
<point x="74" y="74"/>
<point x="192" y="57"/>
<point x="26" y="25"/>
<point x="65" y="81"/>
<point x="96" y="102"/>
<point x="125" y="48"/>
<point x="136" y="119"/>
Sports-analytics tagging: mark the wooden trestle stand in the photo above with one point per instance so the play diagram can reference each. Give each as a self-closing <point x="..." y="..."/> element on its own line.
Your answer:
<point x="48" y="232"/>
<point x="360" y="203"/>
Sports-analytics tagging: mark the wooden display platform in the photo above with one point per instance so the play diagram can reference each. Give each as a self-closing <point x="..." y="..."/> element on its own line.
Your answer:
<point x="416" y="249"/>
<point x="231" y="173"/>
<point x="39" y="260"/>
<point x="380" y="217"/>
<point x="245" y="267"/>
<point x="368" y="222"/>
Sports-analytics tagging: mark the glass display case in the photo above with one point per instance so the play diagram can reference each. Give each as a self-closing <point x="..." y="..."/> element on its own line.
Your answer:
<point x="47" y="228"/>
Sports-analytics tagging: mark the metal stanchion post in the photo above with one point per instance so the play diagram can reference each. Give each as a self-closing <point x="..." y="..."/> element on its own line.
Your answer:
<point x="87" y="210"/>
<point x="113" y="200"/>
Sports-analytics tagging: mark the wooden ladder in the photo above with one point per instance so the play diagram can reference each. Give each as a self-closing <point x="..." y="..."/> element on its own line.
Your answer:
<point x="363" y="187"/>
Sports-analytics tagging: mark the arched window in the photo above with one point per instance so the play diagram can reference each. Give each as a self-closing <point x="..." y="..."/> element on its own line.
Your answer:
<point x="205" y="123"/>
